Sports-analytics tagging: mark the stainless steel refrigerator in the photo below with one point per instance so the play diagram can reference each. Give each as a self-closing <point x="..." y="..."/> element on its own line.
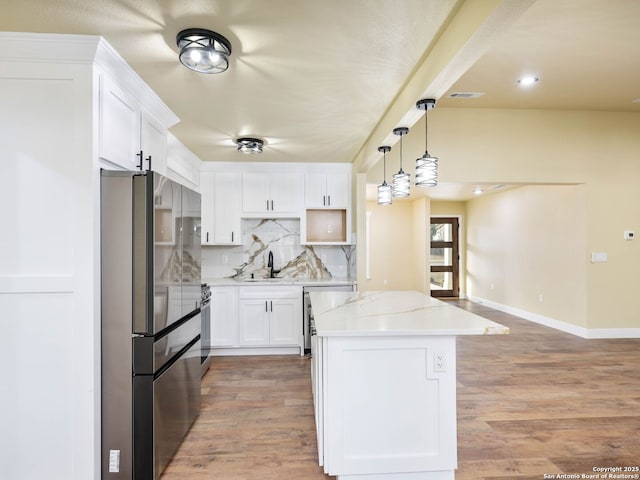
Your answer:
<point x="151" y="296"/>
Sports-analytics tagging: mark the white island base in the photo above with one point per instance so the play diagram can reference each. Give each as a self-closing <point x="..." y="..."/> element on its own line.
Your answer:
<point x="384" y="384"/>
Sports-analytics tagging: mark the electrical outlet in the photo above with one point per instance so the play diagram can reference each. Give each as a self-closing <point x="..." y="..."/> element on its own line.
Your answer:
<point x="439" y="362"/>
<point x="114" y="461"/>
<point x="225" y="259"/>
<point x="323" y="258"/>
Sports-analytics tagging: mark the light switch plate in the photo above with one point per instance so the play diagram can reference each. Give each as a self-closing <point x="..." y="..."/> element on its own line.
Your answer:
<point x="599" y="257"/>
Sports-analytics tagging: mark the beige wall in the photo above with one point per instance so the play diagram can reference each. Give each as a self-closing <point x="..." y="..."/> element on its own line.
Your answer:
<point x="600" y="150"/>
<point x="397" y="246"/>
<point x="527" y="248"/>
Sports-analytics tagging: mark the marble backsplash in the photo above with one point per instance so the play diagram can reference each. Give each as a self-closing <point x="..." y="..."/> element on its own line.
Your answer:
<point x="282" y="238"/>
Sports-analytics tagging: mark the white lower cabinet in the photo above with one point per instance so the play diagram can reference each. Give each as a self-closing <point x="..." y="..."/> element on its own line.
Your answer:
<point x="224" y="324"/>
<point x="383" y="409"/>
<point x="256" y="320"/>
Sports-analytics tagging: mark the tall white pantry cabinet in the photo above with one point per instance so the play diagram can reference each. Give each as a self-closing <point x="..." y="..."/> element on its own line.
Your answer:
<point x="69" y="105"/>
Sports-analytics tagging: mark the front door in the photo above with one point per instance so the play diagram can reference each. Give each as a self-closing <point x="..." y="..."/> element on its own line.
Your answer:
<point x="444" y="260"/>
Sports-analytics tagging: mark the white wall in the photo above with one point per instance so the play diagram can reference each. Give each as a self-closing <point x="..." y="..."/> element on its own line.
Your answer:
<point x="49" y="295"/>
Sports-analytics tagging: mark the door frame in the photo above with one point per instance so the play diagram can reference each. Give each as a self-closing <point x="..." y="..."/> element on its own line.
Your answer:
<point x="455" y="245"/>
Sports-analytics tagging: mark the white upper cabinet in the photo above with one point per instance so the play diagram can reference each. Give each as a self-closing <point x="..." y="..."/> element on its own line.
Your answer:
<point x="132" y="124"/>
<point x="208" y="218"/>
<point x="221" y="208"/>
<point x="153" y="143"/>
<point x="327" y="190"/>
<point x="119" y="134"/>
<point x="272" y="194"/>
<point x="226" y="208"/>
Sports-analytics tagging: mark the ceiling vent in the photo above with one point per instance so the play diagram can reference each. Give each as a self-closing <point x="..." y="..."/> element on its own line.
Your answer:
<point x="465" y="94"/>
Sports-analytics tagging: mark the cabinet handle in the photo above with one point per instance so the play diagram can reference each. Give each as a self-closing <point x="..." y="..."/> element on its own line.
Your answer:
<point x="139" y="155"/>
<point x="324" y="203"/>
<point x="267" y="204"/>
<point x="271" y="205"/>
<point x="149" y="160"/>
<point x="266" y="308"/>
<point x="207" y="237"/>
<point x="271" y="302"/>
<point x="329" y="200"/>
<point x="231" y="237"/>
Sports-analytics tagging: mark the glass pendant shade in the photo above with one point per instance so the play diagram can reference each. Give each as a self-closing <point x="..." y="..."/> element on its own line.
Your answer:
<point x="401" y="184"/>
<point x="401" y="180"/>
<point x="385" y="192"/>
<point x="426" y="166"/>
<point x="385" y="195"/>
<point x="203" y="51"/>
<point x="426" y="171"/>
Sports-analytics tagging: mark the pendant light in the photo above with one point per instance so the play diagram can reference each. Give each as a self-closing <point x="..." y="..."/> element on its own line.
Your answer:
<point x="384" y="190"/>
<point x="401" y="180"/>
<point x="203" y="51"/>
<point x="426" y="166"/>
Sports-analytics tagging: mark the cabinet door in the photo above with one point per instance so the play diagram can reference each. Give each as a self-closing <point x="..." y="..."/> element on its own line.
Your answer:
<point x="255" y="192"/>
<point x="224" y="320"/>
<point x="284" y="192"/>
<point x="226" y="201"/>
<point x="253" y="318"/>
<point x="285" y="322"/>
<point x="337" y="190"/>
<point x="153" y="143"/>
<point x="119" y="126"/>
<point x="314" y="190"/>
<point x="206" y="192"/>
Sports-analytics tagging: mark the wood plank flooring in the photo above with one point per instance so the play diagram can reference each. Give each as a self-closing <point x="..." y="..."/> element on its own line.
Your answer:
<point x="535" y="402"/>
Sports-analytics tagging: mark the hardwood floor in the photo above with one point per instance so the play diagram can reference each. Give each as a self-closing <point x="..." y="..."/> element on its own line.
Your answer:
<point x="256" y="423"/>
<point x="535" y="402"/>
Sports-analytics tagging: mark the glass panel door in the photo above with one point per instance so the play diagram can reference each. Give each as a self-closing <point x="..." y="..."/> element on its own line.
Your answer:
<point x="444" y="258"/>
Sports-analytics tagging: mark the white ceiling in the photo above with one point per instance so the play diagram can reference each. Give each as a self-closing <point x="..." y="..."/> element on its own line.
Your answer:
<point x="326" y="81"/>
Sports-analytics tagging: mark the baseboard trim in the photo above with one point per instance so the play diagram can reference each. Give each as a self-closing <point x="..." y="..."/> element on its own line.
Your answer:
<point x="589" y="333"/>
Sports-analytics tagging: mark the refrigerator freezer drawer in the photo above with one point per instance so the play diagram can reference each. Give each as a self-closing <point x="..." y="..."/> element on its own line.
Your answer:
<point x="164" y="410"/>
<point x="150" y="354"/>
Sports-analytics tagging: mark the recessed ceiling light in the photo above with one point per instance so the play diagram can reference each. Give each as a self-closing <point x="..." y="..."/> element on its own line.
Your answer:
<point x="478" y="191"/>
<point x="527" y="81"/>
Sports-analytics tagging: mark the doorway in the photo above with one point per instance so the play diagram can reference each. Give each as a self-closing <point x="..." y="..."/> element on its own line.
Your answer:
<point x="445" y="258"/>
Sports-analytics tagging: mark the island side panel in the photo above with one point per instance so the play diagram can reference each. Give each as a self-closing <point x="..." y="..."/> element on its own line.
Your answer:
<point x="388" y="409"/>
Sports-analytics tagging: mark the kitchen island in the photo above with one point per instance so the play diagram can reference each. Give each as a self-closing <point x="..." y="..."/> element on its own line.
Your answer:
<point x="384" y="383"/>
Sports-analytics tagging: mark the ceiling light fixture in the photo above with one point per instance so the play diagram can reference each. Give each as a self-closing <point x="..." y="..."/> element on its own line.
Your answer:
<point x="385" y="195"/>
<point x="528" y="81"/>
<point x="249" y="145"/>
<point x="203" y="51"/>
<point x="401" y="180"/>
<point x="426" y="166"/>
<point x="478" y="191"/>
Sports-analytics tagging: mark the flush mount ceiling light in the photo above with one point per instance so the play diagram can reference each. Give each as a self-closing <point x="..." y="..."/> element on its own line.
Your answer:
<point x="203" y="51"/>
<point x="426" y="166"/>
<point x="384" y="190"/>
<point x="249" y="145"/>
<point x="528" y="81"/>
<point x="478" y="191"/>
<point x="401" y="180"/>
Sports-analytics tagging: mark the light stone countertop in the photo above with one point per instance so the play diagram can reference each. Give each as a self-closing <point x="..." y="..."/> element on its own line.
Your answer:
<point x="274" y="282"/>
<point x="394" y="313"/>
